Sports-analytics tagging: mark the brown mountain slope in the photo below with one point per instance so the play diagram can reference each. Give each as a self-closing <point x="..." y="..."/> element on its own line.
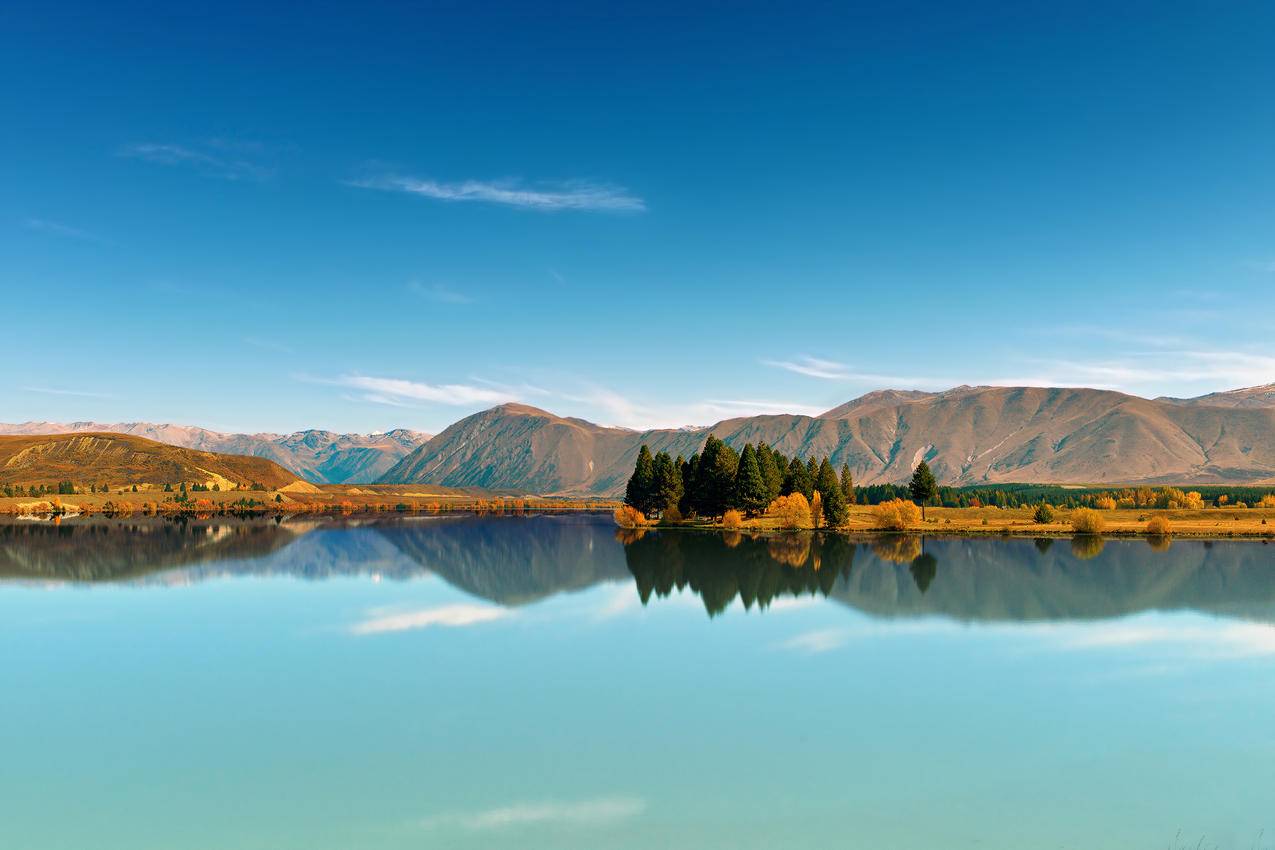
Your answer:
<point x="323" y="457"/>
<point x="118" y="460"/>
<point x="1263" y="396"/>
<point x="969" y="435"/>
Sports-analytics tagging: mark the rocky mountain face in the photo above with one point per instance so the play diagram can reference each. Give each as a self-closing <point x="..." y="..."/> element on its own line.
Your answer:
<point x="968" y="435"/>
<point x="321" y="457"/>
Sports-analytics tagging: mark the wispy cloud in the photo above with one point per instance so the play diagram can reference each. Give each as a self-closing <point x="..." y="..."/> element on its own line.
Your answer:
<point x="813" y="367"/>
<point x="224" y="163"/>
<point x="446" y="616"/>
<point x="573" y="195"/>
<point x="52" y="227"/>
<point x="830" y="370"/>
<point x="1156" y="370"/>
<point x="439" y="293"/>
<point x="401" y="391"/>
<point x="59" y="391"/>
<point x="596" y="812"/>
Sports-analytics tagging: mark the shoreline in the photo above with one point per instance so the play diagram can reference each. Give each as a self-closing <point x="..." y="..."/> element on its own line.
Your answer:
<point x="1201" y="524"/>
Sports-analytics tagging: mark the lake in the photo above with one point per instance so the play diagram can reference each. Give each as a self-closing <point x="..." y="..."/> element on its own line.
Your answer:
<point x="547" y="682"/>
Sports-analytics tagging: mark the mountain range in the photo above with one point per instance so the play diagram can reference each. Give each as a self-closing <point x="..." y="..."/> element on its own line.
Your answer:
<point x="320" y="457"/>
<point x="968" y="435"/>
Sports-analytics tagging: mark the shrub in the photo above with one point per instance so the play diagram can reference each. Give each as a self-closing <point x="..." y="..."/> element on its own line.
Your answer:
<point x="1044" y="514"/>
<point x="896" y="514"/>
<point x="627" y="516"/>
<point x="1086" y="521"/>
<point x="671" y="516"/>
<point x="1104" y="503"/>
<point x="790" y="511"/>
<point x="732" y="520"/>
<point x="1267" y="501"/>
<point x="1159" y="527"/>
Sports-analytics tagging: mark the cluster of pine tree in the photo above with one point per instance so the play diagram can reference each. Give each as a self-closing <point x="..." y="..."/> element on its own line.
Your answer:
<point x="718" y="479"/>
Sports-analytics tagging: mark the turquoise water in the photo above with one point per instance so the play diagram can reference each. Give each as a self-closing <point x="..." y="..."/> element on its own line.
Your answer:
<point x="539" y="683"/>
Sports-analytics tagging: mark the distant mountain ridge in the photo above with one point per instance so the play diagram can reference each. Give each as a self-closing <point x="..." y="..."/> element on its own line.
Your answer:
<point x="320" y="457"/>
<point x="968" y="435"/>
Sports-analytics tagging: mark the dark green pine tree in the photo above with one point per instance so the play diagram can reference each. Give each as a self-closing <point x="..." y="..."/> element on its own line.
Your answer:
<point x="770" y="471"/>
<point x="715" y="478"/>
<point x="666" y="490"/>
<point x="750" y="486"/>
<point x="835" y="513"/>
<point x="641" y="484"/>
<point x="798" y="479"/>
<point x="847" y="484"/>
<point x="812" y="469"/>
<point x="923" y="487"/>
<point x="689" y="469"/>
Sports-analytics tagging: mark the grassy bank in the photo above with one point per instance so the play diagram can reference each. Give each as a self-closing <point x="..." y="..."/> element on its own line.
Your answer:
<point x="325" y="499"/>
<point x="1020" y="522"/>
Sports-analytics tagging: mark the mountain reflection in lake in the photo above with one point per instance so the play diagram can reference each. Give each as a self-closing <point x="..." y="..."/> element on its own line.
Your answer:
<point x="516" y="561"/>
<point x="549" y="683"/>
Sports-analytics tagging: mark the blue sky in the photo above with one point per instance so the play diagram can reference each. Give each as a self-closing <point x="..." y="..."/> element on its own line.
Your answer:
<point x="365" y="217"/>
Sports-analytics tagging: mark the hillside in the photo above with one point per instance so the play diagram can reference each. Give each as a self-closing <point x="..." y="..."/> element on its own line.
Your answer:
<point x="321" y="457"/>
<point x="969" y="435"/>
<point x="118" y="460"/>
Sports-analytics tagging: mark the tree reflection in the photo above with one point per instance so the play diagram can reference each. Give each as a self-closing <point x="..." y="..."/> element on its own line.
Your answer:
<point x="1086" y="546"/>
<point x="924" y="567"/>
<point x="897" y="548"/>
<point x="755" y="570"/>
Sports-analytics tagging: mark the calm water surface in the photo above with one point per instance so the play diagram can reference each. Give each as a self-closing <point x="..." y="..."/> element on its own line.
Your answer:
<point x="542" y="682"/>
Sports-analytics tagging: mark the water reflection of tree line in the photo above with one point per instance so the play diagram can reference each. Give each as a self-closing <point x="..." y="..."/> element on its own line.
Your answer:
<point x="756" y="570"/>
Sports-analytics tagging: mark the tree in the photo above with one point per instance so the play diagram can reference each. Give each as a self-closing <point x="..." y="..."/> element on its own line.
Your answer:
<point x="791" y="511"/>
<point x="771" y="473"/>
<point x="923" y="487"/>
<point x="750" y="486"/>
<point x="685" y="504"/>
<point x="835" y="513"/>
<point x="715" y="478"/>
<point x="847" y="484"/>
<point x="642" y="482"/>
<point x="798" y="480"/>
<point x="666" y="486"/>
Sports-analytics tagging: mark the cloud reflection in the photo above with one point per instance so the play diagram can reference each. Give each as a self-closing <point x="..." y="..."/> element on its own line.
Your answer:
<point x="447" y="616"/>
<point x="599" y="811"/>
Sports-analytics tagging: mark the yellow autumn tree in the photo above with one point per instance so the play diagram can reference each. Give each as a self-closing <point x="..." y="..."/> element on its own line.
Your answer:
<point x="790" y="511"/>
<point x="896" y="514"/>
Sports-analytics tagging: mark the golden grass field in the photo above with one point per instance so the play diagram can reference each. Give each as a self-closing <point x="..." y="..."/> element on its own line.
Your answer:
<point x="326" y="498"/>
<point x="1209" y="522"/>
